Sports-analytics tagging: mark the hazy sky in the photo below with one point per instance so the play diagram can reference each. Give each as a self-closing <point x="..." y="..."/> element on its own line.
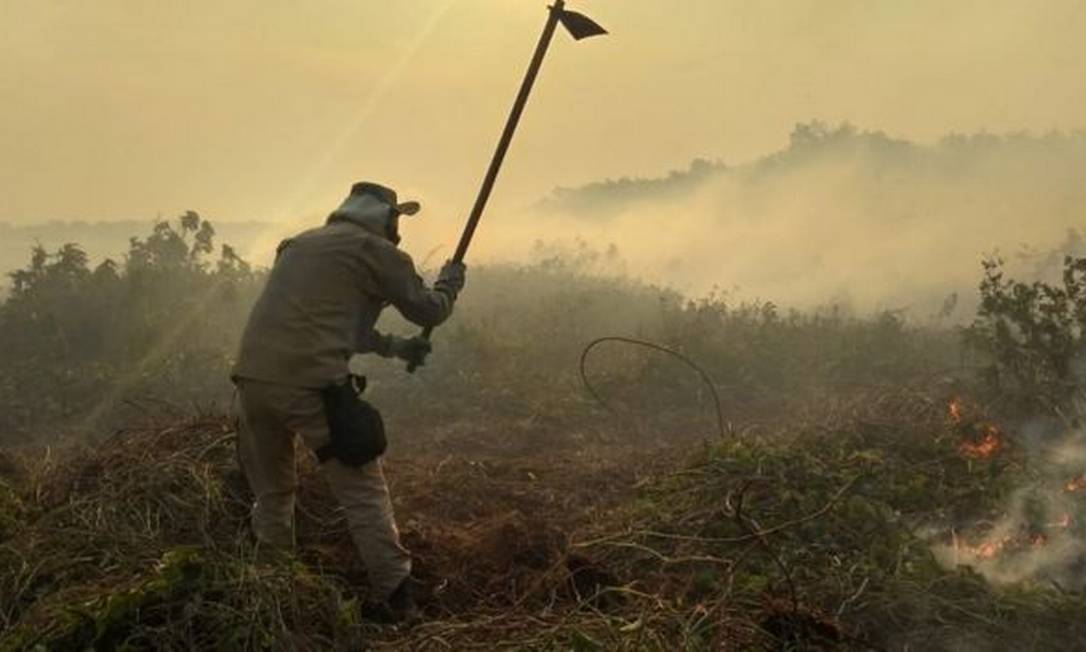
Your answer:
<point x="269" y="109"/>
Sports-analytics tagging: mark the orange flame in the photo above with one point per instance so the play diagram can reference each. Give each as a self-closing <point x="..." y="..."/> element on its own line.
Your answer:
<point x="955" y="409"/>
<point x="992" y="548"/>
<point x="1064" y="522"/>
<point x="990" y="443"/>
<point x="983" y="438"/>
<point x="1077" y="483"/>
<point x="986" y="550"/>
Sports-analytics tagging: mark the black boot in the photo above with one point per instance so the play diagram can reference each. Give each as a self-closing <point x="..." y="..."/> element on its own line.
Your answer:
<point x="400" y="606"/>
<point x="402" y="601"/>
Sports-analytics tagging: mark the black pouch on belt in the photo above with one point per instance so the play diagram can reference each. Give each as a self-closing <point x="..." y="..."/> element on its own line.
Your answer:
<point x="356" y="428"/>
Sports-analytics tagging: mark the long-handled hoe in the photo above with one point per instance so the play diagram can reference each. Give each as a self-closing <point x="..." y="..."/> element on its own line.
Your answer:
<point x="579" y="27"/>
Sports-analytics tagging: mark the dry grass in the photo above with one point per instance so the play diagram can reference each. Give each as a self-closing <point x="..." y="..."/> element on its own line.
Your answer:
<point x="798" y="532"/>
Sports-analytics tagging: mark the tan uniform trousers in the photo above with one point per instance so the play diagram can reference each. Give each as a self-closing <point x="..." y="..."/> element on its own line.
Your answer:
<point x="271" y="415"/>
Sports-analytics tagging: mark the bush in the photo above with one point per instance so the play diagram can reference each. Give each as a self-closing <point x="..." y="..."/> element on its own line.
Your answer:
<point x="158" y="333"/>
<point x="78" y="342"/>
<point x="1033" y="333"/>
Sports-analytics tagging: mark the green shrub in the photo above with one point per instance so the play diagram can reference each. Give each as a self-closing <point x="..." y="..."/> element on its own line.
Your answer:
<point x="78" y="342"/>
<point x="1033" y="333"/>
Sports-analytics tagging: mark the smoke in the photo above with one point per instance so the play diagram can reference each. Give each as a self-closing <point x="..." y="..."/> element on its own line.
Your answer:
<point x="852" y="218"/>
<point x="841" y="216"/>
<point x="1039" y="536"/>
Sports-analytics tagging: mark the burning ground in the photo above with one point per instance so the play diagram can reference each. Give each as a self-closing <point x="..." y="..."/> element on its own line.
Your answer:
<point x="1037" y="534"/>
<point x="868" y="519"/>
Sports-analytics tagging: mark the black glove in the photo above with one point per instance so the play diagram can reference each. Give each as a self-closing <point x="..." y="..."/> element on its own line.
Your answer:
<point x="451" y="279"/>
<point x="412" y="350"/>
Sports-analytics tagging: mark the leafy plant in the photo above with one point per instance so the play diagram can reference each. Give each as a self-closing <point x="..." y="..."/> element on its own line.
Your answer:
<point x="1033" y="332"/>
<point x="77" y="341"/>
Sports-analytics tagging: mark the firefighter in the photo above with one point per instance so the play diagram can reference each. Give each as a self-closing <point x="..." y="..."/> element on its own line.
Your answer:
<point x="323" y="296"/>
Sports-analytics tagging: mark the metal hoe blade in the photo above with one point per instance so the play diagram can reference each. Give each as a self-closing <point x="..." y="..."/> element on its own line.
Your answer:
<point x="579" y="26"/>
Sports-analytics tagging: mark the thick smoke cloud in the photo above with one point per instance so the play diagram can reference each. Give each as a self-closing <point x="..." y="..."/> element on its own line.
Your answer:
<point x="846" y="217"/>
<point x="840" y="216"/>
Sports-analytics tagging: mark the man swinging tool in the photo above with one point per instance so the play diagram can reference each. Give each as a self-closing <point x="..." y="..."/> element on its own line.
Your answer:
<point x="325" y="292"/>
<point x="323" y="296"/>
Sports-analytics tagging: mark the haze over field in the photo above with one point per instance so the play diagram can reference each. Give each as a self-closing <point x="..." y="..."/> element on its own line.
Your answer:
<point x="254" y="112"/>
<point x="774" y="328"/>
<point x="841" y="216"/>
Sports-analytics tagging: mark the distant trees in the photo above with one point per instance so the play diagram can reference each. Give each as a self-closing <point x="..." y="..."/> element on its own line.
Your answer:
<point x="810" y="142"/>
<point x="605" y="199"/>
<point x="78" y="341"/>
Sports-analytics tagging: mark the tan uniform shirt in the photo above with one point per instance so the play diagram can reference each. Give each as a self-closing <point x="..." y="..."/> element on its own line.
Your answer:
<point x="324" y="293"/>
